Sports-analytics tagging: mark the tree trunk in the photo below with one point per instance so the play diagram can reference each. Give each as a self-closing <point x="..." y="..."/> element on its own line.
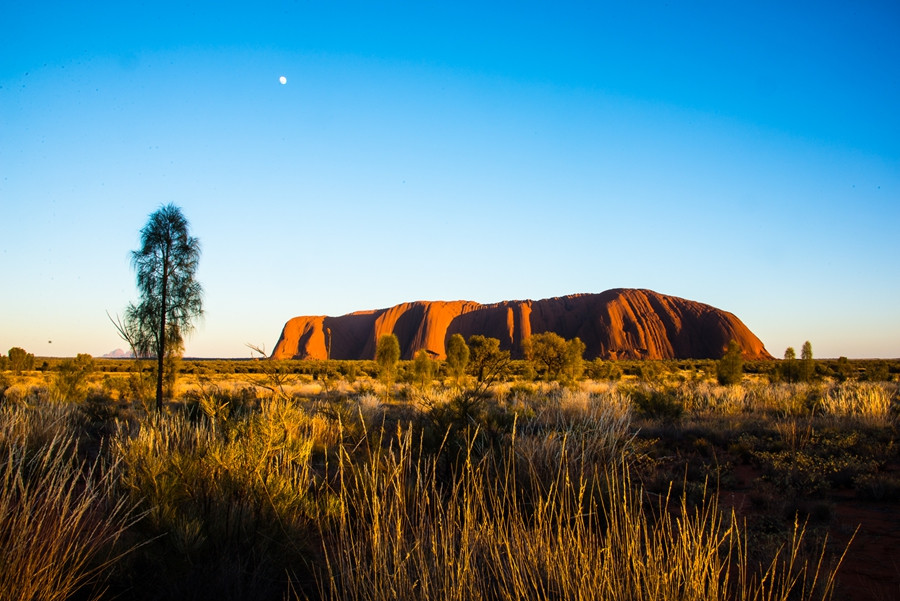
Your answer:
<point x="161" y="350"/>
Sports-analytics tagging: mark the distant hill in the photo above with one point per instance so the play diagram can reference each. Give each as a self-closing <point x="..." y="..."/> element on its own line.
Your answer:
<point x="118" y="354"/>
<point x="616" y="324"/>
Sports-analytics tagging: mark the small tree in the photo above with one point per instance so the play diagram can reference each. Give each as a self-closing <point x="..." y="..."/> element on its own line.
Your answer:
<point x="573" y="361"/>
<point x="16" y="359"/>
<point x="554" y="357"/>
<point x="171" y="298"/>
<point x="423" y="368"/>
<point x="387" y="354"/>
<point x="19" y="360"/>
<point x="457" y="357"/>
<point x="730" y="368"/>
<point x="70" y="382"/>
<point x="790" y="369"/>
<point x="486" y="361"/>
<point x="807" y="363"/>
<point x="547" y="354"/>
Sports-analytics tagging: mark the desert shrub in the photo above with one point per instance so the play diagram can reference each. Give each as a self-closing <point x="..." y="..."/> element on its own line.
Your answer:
<point x="877" y="487"/>
<point x="115" y="388"/>
<point x="555" y="358"/>
<point x="519" y="391"/>
<point x="19" y="360"/>
<point x="14" y="394"/>
<point x="877" y="371"/>
<point x="647" y="371"/>
<point x="486" y="361"/>
<point x="657" y="403"/>
<point x="807" y="459"/>
<point x="599" y="369"/>
<point x="841" y="369"/>
<point x="237" y="504"/>
<point x="71" y="378"/>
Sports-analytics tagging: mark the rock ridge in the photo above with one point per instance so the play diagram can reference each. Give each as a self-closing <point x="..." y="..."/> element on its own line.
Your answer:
<point x="622" y="323"/>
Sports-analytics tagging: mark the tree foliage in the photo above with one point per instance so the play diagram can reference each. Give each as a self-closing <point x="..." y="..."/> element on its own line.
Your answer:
<point x="807" y="363"/>
<point x="555" y="358"/>
<point x="486" y="361"/>
<point x="171" y="298"/>
<point x="789" y="367"/>
<point x="573" y="365"/>
<point x="387" y="354"/>
<point x="458" y="357"/>
<point x="730" y="368"/>
<point x="20" y="360"/>
<point x="423" y="368"/>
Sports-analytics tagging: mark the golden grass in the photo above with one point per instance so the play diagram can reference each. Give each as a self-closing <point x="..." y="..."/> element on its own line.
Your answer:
<point x="866" y="400"/>
<point x="60" y="519"/>
<point x="543" y="508"/>
<point x="408" y="532"/>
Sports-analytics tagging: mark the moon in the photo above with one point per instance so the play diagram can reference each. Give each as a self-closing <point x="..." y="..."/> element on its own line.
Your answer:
<point x="282" y="79"/>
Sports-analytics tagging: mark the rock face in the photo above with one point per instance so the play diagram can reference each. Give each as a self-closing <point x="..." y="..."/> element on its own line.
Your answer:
<point x="616" y="324"/>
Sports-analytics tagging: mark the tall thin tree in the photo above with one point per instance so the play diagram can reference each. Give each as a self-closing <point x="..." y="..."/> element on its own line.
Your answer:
<point x="807" y="363"/>
<point x="171" y="297"/>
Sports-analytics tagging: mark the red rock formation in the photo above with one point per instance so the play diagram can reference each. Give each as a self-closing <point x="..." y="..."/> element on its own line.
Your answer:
<point x="616" y="324"/>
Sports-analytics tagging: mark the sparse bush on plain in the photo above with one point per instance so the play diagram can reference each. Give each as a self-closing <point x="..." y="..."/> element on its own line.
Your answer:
<point x="495" y="490"/>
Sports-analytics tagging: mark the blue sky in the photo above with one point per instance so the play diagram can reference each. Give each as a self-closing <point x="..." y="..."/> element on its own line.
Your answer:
<point x="745" y="155"/>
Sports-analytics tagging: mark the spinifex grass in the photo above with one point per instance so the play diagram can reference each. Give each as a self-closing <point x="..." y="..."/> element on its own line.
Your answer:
<point x="870" y="402"/>
<point x="59" y="519"/>
<point x="229" y="502"/>
<point x="407" y="531"/>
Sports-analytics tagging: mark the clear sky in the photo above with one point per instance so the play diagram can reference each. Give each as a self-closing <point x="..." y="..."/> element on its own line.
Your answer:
<point x="740" y="154"/>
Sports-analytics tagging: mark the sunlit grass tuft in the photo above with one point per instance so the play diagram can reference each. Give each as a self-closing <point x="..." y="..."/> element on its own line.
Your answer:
<point x="869" y="401"/>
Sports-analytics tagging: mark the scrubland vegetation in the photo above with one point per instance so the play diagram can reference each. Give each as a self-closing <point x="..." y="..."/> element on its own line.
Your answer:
<point x="426" y="480"/>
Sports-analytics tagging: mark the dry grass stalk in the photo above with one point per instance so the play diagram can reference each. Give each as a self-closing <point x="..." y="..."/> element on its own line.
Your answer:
<point x="60" y="520"/>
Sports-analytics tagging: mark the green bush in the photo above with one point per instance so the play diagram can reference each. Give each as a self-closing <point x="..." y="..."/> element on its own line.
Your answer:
<point x="657" y="403"/>
<point x="598" y="369"/>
